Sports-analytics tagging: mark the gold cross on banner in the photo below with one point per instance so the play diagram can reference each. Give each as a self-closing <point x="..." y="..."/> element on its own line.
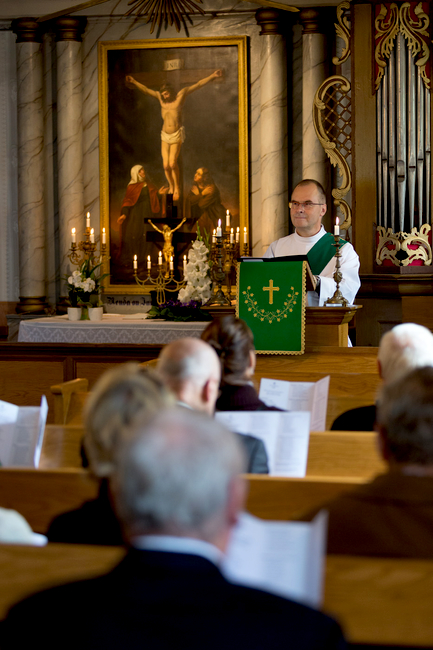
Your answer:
<point x="271" y="290"/>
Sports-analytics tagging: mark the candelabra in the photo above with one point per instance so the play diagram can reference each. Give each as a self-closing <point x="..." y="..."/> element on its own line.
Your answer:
<point x="85" y="250"/>
<point x="337" y="298"/>
<point x="163" y="282"/>
<point x="224" y="251"/>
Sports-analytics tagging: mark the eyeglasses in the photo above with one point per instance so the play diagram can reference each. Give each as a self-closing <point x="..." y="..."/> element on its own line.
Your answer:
<point x="308" y="205"/>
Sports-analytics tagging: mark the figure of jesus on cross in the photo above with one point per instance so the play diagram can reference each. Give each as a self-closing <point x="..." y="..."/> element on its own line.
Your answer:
<point x="172" y="133"/>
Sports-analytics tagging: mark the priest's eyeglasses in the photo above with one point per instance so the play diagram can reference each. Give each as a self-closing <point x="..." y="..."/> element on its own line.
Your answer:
<point x="308" y="205"/>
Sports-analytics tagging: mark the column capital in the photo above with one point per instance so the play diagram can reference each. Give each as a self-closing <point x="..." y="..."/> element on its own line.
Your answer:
<point x="313" y="20"/>
<point x="271" y="21"/>
<point x="28" y="30"/>
<point x="68" y="28"/>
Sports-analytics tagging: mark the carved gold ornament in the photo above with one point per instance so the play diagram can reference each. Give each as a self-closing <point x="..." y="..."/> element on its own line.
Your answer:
<point x="264" y="314"/>
<point x="413" y="23"/>
<point x="401" y="254"/>
<point x="343" y="31"/>
<point x="163" y="11"/>
<point x="332" y="123"/>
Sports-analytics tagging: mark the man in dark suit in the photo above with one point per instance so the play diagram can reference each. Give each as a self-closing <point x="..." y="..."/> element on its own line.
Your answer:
<point x="191" y="369"/>
<point x="178" y="492"/>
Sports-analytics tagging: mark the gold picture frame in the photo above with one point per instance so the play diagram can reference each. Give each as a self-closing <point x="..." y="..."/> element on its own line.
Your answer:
<point x="215" y="119"/>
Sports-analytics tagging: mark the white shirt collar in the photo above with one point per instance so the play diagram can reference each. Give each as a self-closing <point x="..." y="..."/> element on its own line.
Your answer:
<point x="172" y="544"/>
<point x="313" y="239"/>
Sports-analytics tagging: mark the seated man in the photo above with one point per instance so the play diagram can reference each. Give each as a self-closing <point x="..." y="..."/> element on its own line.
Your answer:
<point x="393" y="514"/>
<point x="191" y="369"/>
<point x="178" y="494"/>
<point x="307" y="208"/>
<point x="405" y="347"/>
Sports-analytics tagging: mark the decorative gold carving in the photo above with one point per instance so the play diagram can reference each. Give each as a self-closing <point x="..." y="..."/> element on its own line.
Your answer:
<point x="389" y="23"/>
<point x="401" y="255"/>
<point x="343" y="31"/>
<point x="412" y="32"/>
<point x="331" y="130"/>
<point x="163" y="11"/>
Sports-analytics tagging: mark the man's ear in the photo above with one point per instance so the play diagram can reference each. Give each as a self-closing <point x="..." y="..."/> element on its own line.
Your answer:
<point x="237" y="494"/>
<point x="381" y="442"/>
<point x="323" y="210"/>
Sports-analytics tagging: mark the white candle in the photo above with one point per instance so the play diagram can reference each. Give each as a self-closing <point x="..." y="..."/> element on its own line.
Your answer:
<point x="245" y="236"/>
<point x="88" y="220"/>
<point x="237" y="235"/>
<point x="219" y="231"/>
<point x="134" y="263"/>
<point x="149" y="263"/>
<point x="159" y="258"/>
<point x="214" y="236"/>
<point x="337" y="227"/>
<point x="92" y="236"/>
<point x="171" y="263"/>
<point x="227" y="219"/>
<point x="74" y="236"/>
<point x="103" y="237"/>
<point x="184" y="264"/>
<point x="232" y="236"/>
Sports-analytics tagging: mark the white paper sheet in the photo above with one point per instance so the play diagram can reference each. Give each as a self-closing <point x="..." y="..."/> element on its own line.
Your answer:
<point x="285" y="436"/>
<point x="285" y="558"/>
<point x="21" y="433"/>
<point x="298" y="396"/>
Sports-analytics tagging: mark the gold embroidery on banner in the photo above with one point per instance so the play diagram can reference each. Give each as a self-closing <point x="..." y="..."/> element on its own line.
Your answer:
<point x="399" y="20"/>
<point x="270" y="316"/>
<point x="332" y="123"/>
<point x="401" y="255"/>
<point x="343" y="31"/>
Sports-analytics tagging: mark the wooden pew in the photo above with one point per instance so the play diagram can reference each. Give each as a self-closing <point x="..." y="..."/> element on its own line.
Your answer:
<point x="377" y="601"/>
<point x="41" y="495"/>
<point x="69" y="400"/>
<point x="330" y="453"/>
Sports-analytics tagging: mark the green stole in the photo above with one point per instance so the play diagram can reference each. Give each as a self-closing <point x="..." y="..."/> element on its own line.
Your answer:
<point x="322" y="253"/>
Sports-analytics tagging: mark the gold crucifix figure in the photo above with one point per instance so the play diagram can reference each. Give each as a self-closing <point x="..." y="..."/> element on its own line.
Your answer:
<point x="271" y="290"/>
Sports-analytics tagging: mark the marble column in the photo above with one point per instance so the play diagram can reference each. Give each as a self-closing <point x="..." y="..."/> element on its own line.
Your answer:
<point x="31" y="222"/>
<point x="69" y="134"/>
<point x="314" y="68"/>
<point x="273" y="127"/>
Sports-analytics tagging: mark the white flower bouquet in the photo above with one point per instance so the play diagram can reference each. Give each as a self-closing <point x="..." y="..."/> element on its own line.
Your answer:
<point x="197" y="274"/>
<point x="84" y="286"/>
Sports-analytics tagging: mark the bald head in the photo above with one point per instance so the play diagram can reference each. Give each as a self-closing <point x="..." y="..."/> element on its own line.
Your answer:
<point x="190" y="368"/>
<point x="405" y="347"/>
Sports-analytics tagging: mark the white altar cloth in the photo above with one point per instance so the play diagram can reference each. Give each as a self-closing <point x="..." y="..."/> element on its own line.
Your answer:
<point x="114" y="328"/>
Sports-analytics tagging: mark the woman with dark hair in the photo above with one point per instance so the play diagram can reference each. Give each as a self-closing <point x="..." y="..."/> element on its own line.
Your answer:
<point x="233" y="341"/>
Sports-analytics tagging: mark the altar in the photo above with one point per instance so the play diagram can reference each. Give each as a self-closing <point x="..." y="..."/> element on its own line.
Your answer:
<point x="325" y="326"/>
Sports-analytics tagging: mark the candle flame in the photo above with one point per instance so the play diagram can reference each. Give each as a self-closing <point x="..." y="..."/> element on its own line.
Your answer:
<point x="231" y="230"/>
<point x="91" y="231"/>
<point x="337" y="221"/>
<point x="219" y="223"/>
<point x="103" y="230"/>
<point x="73" y="231"/>
<point x="135" y="258"/>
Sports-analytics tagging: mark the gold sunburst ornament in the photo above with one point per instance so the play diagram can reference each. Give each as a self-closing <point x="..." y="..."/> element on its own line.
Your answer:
<point x="159" y="11"/>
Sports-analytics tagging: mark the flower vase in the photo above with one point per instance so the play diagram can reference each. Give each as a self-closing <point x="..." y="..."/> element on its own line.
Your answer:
<point x="74" y="313"/>
<point x="84" y="313"/>
<point x="95" y="313"/>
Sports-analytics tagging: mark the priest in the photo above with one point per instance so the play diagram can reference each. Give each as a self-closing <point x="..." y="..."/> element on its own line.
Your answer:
<point x="307" y="208"/>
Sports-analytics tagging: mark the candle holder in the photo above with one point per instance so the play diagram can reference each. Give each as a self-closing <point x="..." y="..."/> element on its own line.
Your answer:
<point x="337" y="298"/>
<point x="223" y="254"/>
<point x="86" y="250"/>
<point x="163" y="282"/>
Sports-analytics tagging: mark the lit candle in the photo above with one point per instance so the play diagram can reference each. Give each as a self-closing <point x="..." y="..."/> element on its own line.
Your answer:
<point x="237" y="235"/>
<point x="171" y="263"/>
<point x="184" y="264"/>
<point x="135" y="263"/>
<point x="88" y="220"/>
<point x="337" y="227"/>
<point x="232" y="236"/>
<point x="219" y="231"/>
<point x="227" y="219"/>
<point x="103" y="237"/>
<point x="159" y="258"/>
<point x="92" y="236"/>
<point x="245" y="236"/>
<point x="149" y="263"/>
<point x="74" y="236"/>
<point x="214" y="236"/>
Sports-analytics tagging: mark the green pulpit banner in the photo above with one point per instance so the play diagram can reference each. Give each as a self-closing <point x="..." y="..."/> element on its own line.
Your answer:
<point x="271" y="300"/>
